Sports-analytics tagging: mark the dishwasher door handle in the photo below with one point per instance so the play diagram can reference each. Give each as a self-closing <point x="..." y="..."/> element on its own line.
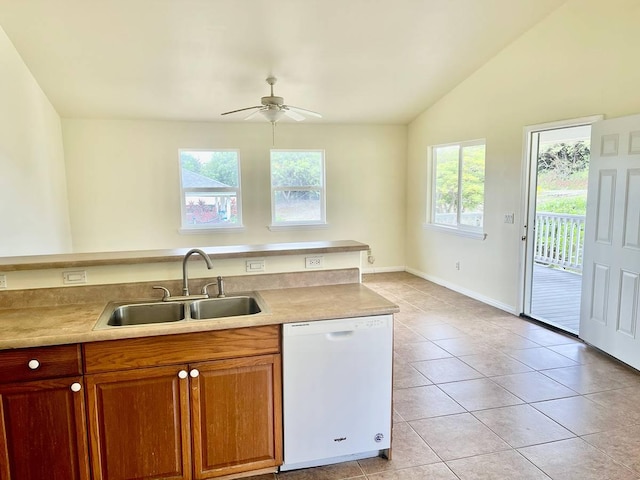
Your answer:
<point x="336" y="336"/>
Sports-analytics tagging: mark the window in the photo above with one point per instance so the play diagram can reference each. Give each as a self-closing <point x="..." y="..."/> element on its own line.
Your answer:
<point x="458" y="185"/>
<point x="297" y="187"/>
<point x="210" y="189"/>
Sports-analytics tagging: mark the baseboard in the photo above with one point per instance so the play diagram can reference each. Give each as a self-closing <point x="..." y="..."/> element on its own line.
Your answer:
<point x="469" y="293"/>
<point x="383" y="270"/>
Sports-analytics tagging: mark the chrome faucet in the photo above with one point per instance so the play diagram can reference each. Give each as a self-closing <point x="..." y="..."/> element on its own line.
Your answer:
<point x="185" y="277"/>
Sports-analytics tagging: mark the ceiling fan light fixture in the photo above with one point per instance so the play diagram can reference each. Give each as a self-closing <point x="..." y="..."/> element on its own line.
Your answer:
<point x="273" y="114"/>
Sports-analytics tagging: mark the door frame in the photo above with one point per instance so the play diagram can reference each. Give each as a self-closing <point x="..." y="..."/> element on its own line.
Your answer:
<point x="528" y="195"/>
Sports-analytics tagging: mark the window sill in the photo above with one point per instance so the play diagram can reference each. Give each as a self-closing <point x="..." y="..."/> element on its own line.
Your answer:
<point x="297" y="226"/>
<point x="455" y="231"/>
<point x="207" y="230"/>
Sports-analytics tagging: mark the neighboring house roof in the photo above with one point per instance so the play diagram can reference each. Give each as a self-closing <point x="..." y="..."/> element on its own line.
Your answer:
<point x="195" y="180"/>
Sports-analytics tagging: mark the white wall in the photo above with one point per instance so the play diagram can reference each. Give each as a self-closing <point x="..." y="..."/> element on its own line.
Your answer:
<point x="123" y="182"/>
<point x="33" y="197"/>
<point x="579" y="61"/>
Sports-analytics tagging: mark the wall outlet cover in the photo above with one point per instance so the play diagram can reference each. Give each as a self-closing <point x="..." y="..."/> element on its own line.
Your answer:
<point x="255" y="265"/>
<point x="314" y="262"/>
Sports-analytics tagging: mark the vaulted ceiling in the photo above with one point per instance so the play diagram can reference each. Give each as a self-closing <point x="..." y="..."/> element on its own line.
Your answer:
<point x="355" y="61"/>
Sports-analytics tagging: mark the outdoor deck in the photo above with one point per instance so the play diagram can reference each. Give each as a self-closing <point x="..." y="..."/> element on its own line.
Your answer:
<point x="556" y="297"/>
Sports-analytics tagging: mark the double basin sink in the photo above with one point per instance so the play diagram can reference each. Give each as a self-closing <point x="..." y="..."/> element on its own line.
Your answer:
<point x="122" y="314"/>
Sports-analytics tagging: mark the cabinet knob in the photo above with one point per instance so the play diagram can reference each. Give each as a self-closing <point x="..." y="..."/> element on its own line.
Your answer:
<point x="34" y="364"/>
<point x="194" y="373"/>
<point x="182" y="374"/>
<point x="76" y="387"/>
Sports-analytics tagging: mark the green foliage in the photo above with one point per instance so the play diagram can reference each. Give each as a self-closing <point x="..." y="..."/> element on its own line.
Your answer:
<point x="564" y="158"/>
<point x="217" y="165"/>
<point x="299" y="169"/>
<point x="568" y="205"/>
<point x="447" y="165"/>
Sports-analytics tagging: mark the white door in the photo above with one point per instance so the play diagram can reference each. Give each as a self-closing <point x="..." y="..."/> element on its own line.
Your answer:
<point x="611" y="276"/>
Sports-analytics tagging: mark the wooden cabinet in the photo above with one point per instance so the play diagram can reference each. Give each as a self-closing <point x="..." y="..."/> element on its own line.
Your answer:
<point x="236" y="416"/>
<point x="202" y="412"/>
<point x="42" y="422"/>
<point x="138" y="423"/>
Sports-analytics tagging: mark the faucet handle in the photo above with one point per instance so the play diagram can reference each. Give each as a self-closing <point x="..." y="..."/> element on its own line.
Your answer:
<point x="166" y="291"/>
<point x="204" y="288"/>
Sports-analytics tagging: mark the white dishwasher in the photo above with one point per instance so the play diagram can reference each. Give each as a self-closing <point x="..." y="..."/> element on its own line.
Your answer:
<point x="336" y="390"/>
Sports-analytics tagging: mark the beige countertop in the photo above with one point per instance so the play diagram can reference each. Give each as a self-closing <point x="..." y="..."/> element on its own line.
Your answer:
<point x="56" y="325"/>
<point x="76" y="260"/>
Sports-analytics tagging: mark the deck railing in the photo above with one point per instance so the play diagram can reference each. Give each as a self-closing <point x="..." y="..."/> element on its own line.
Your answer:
<point x="559" y="239"/>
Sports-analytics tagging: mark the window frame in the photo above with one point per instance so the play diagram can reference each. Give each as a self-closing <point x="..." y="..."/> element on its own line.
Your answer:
<point x="275" y="225"/>
<point x="209" y="228"/>
<point x="458" y="229"/>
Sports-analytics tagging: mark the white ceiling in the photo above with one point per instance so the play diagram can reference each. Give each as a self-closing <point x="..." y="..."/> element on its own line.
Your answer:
<point x="355" y="61"/>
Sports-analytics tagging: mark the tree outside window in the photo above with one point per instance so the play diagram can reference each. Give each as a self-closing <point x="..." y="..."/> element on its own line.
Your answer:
<point x="297" y="187"/>
<point x="458" y="185"/>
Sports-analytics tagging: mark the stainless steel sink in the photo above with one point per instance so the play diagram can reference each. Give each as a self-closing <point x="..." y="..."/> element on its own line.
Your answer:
<point x="123" y="314"/>
<point x="223" y="307"/>
<point x="145" y="313"/>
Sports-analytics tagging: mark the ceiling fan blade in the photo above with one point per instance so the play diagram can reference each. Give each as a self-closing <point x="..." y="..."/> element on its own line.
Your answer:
<point x="241" y="110"/>
<point x="290" y="113"/>
<point x="304" y="110"/>
<point x="254" y="113"/>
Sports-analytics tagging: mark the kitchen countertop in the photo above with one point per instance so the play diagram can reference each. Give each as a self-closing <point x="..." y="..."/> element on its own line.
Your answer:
<point x="57" y="325"/>
<point x="78" y="260"/>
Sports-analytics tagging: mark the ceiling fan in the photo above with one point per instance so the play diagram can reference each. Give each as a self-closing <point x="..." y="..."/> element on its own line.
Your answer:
<point x="273" y="108"/>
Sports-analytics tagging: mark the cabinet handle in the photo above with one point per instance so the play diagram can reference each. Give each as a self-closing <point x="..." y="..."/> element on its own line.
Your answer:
<point x="34" y="364"/>
<point x="76" y="387"/>
<point x="182" y="374"/>
<point x="194" y="373"/>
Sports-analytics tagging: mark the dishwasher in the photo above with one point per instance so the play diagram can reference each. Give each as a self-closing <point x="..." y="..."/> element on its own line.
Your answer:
<point x="337" y="383"/>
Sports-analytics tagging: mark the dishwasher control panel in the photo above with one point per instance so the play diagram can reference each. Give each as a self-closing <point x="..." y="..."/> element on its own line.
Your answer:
<point x="347" y="324"/>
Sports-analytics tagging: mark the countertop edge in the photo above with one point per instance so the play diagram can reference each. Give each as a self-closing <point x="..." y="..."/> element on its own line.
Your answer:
<point x="325" y="307"/>
<point x="71" y="260"/>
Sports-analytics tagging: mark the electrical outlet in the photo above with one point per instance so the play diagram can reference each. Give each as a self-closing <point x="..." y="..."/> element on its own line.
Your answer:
<point x="74" y="277"/>
<point x="509" y="217"/>
<point x="313" y="262"/>
<point x="458" y="265"/>
<point x="255" y="266"/>
<point x="3" y="281"/>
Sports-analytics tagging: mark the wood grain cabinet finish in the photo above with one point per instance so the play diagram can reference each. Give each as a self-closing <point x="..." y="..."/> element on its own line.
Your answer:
<point x="139" y="424"/>
<point x="25" y="364"/>
<point x="236" y="410"/>
<point x="42" y="430"/>
<point x="185" y="419"/>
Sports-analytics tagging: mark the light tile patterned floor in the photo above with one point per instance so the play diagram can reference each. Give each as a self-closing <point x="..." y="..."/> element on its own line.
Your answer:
<point x="481" y="394"/>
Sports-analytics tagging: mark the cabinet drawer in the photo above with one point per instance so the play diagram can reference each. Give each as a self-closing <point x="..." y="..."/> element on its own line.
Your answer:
<point x="181" y="348"/>
<point x="41" y="362"/>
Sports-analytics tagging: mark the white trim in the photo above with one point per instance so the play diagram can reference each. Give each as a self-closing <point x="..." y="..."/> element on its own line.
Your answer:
<point x="525" y="194"/>
<point x="322" y="188"/>
<point x="187" y="228"/>
<point x="207" y="230"/>
<point x="432" y="173"/>
<point x="469" y="293"/>
<point x="297" y="226"/>
<point x="477" y="235"/>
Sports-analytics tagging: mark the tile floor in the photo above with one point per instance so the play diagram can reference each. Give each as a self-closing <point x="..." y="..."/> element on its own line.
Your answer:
<point x="481" y="394"/>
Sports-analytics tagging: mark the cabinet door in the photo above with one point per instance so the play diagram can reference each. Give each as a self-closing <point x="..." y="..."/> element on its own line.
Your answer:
<point x="42" y="431"/>
<point x="236" y="410"/>
<point x="139" y="424"/>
